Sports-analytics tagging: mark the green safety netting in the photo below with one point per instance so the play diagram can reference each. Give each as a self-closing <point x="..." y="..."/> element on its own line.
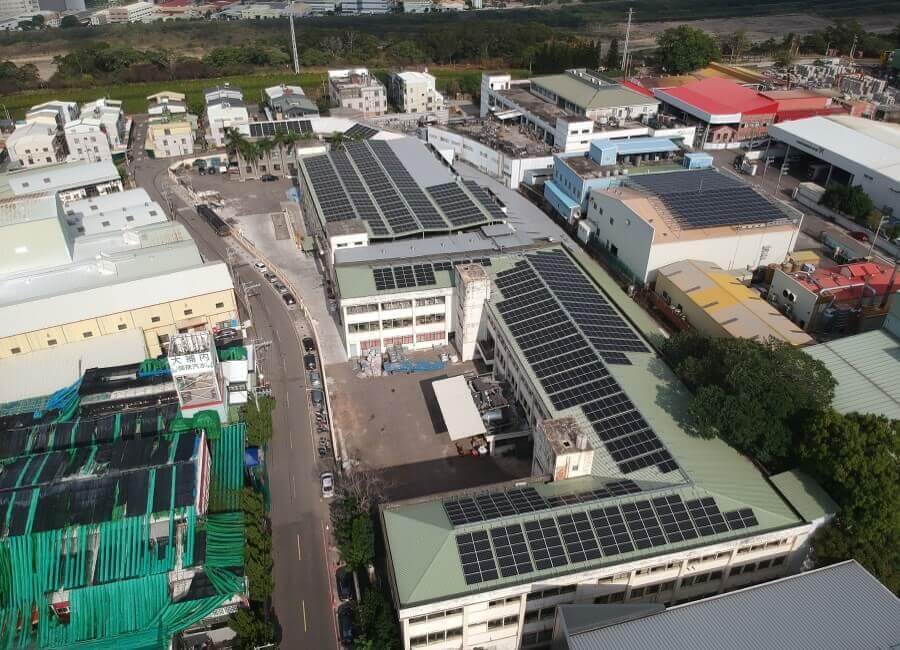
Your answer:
<point x="207" y="420"/>
<point x="237" y="353"/>
<point x="115" y="575"/>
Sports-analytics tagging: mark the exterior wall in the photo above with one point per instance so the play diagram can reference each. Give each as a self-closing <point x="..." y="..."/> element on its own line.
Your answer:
<point x="489" y="83"/>
<point x="369" y="96"/>
<point x="796" y="301"/>
<point x="179" y="141"/>
<point x="417" y="95"/>
<point x="523" y="615"/>
<point x="510" y="171"/>
<point x="617" y="226"/>
<point x="338" y="242"/>
<point x="139" y="12"/>
<point x="87" y="143"/>
<point x="698" y="317"/>
<point x="220" y="120"/>
<point x="159" y="322"/>
<point x="378" y="315"/>
<point x="40" y="145"/>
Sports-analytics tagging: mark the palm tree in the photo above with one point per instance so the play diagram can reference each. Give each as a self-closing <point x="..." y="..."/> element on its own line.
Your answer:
<point x="235" y="144"/>
<point x="290" y="139"/>
<point x="264" y="151"/>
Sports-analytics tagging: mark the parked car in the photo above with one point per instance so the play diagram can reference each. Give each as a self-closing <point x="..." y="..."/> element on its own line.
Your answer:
<point x="315" y="379"/>
<point x="262" y="268"/>
<point x="288" y="299"/>
<point x="271" y="277"/>
<point x="317" y="397"/>
<point x="344" y="584"/>
<point x="323" y="452"/>
<point x="860" y="236"/>
<point x="308" y="344"/>
<point x="267" y="178"/>
<point x="309" y="361"/>
<point x="345" y="624"/>
<point x="279" y="287"/>
<point x="327" y="484"/>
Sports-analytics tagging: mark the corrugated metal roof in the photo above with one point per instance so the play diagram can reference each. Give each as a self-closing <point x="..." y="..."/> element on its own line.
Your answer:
<point x="588" y="96"/>
<point x="866" y="367"/>
<point x="837" y="607"/>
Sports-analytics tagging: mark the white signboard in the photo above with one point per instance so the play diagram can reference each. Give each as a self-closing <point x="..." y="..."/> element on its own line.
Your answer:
<point x="191" y="364"/>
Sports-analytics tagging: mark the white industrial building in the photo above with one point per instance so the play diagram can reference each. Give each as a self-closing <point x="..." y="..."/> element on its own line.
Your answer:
<point x="64" y="112"/>
<point x="656" y="219"/>
<point x="87" y="140"/>
<point x="624" y="505"/>
<point x="357" y="90"/>
<point x="415" y="92"/>
<point x="856" y="151"/>
<point x="71" y="180"/>
<point x="15" y="8"/>
<point x="110" y="119"/>
<point x="113" y="212"/>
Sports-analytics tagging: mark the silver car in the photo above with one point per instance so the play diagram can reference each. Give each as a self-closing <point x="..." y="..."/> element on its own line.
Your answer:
<point x="327" y="485"/>
<point x="315" y="379"/>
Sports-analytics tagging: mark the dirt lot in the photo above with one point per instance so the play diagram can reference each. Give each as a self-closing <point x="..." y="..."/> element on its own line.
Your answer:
<point x="393" y="424"/>
<point x="759" y="28"/>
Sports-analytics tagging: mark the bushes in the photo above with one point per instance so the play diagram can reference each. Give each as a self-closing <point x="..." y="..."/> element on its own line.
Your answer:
<point x="850" y="200"/>
<point x="257" y="413"/>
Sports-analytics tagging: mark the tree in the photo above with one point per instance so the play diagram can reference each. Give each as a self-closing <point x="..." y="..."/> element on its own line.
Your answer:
<point x="735" y="43"/>
<point x="613" y="58"/>
<point x="69" y="21"/>
<point x="747" y="392"/>
<point x="785" y="57"/>
<point x="684" y="49"/>
<point x="854" y="457"/>
<point x="356" y="542"/>
<point x="850" y="200"/>
<point x="376" y="622"/>
<point x="257" y="414"/>
<point x="365" y="488"/>
<point x="407" y="52"/>
<point x="251" y="627"/>
<point x="258" y="563"/>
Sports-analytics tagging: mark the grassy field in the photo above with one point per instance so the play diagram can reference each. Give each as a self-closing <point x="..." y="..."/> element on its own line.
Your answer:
<point x="134" y="96"/>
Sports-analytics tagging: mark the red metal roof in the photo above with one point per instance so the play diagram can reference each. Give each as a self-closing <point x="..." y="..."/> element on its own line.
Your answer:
<point x="635" y="87"/>
<point x="801" y="113"/>
<point x="850" y="281"/>
<point x="718" y="96"/>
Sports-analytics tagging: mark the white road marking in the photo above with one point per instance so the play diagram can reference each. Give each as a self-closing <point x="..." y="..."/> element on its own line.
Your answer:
<point x="299" y="555"/>
<point x="303" y="607"/>
<point x="293" y="488"/>
<point x="287" y="400"/>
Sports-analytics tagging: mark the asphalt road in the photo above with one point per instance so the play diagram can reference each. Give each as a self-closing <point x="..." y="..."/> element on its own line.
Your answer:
<point x="303" y="577"/>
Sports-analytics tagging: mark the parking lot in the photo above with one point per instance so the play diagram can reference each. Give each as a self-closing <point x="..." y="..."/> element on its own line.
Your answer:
<point x="393" y="424"/>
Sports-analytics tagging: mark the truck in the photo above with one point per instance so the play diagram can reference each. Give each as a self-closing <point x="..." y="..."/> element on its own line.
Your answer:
<point x="214" y="220"/>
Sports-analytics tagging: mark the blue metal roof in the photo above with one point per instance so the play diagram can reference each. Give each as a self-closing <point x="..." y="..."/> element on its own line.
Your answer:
<point x="639" y="145"/>
<point x="561" y="196"/>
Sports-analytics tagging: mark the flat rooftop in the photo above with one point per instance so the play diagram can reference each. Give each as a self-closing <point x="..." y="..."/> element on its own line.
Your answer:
<point x="607" y="379"/>
<point x="530" y="102"/>
<point x="57" y="178"/>
<point x="497" y="135"/>
<point x="832" y="608"/>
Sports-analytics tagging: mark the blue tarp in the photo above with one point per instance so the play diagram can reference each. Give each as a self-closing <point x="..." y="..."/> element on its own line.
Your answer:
<point x="559" y="196"/>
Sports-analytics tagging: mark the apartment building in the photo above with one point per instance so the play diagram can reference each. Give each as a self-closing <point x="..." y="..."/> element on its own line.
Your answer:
<point x="136" y="12"/>
<point x="357" y="90"/>
<point x="624" y="506"/>
<point x="170" y="136"/>
<point x="87" y="140"/>
<point x="36" y="144"/>
<point x="225" y="109"/>
<point x="415" y="92"/>
<point x="111" y="119"/>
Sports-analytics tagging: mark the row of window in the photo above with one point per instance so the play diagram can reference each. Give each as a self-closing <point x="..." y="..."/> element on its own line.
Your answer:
<point x="757" y="566"/>
<point x="549" y="593"/>
<point x="395" y="304"/>
<point x="543" y="614"/>
<point x="436" y="615"/>
<point x="394" y="323"/>
<point x="504" y="601"/>
<point x="435" y="637"/>
<point x="506" y="621"/>
<point x="534" y="638"/>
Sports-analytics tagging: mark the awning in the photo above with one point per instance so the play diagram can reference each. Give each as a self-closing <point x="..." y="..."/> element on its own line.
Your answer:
<point x="508" y="115"/>
<point x="458" y="408"/>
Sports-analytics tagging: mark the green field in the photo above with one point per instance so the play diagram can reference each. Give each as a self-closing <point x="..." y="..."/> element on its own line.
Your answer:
<point x="134" y="96"/>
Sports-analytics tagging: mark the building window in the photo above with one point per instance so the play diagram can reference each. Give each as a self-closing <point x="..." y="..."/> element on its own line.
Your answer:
<point x="15" y="350"/>
<point x="667" y="586"/>
<point x="51" y="342"/>
<point x="778" y="561"/>
<point x="188" y="312"/>
<point x="637" y="593"/>
<point x="362" y="309"/>
<point x="397" y="304"/>
<point x="154" y="319"/>
<point x="765" y="564"/>
<point x="425" y="302"/>
<point x="220" y="305"/>
<point x="430" y="318"/>
<point x="129" y="218"/>
<point x="121" y="326"/>
<point x="372" y="326"/>
<point x="396" y="323"/>
<point x="715" y="575"/>
<point x="163" y="339"/>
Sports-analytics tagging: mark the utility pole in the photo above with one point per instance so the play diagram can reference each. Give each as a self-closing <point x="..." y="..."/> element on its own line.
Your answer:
<point x="853" y="47"/>
<point x="294" y="42"/>
<point x="627" y="37"/>
<point x="877" y="232"/>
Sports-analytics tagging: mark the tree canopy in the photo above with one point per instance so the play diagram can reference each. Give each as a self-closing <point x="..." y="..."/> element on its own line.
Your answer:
<point x="684" y="49"/>
<point x="855" y="458"/>
<point x="376" y="623"/>
<point x="757" y="396"/>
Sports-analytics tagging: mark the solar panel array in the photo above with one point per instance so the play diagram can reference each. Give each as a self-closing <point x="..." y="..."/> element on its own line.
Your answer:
<point x="268" y="129"/>
<point x="706" y="199"/>
<point x="403" y="277"/>
<point x="567" y="348"/>
<point x="558" y="539"/>
<point x="456" y="204"/>
<point x="368" y="181"/>
<point x="360" y="132"/>
<point x="395" y="210"/>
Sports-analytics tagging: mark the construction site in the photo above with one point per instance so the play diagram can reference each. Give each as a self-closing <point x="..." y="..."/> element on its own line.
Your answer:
<point x="120" y="521"/>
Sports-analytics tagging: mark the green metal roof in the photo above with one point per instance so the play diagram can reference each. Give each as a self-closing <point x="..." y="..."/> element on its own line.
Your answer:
<point x="807" y="496"/>
<point x="589" y="97"/>
<point x="866" y="367"/>
<point x="421" y="539"/>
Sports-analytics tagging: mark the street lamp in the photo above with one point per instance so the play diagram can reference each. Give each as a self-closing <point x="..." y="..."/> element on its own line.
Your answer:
<point x="877" y="231"/>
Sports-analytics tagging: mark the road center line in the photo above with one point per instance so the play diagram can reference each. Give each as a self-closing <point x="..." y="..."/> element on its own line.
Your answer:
<point x="293" y="488"/>
<point x="299" y="554"/>
<point x="287" y="399"/>
<point x="303" y="607"/>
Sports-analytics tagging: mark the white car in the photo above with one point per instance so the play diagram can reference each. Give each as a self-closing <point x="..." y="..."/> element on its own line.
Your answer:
<point x="327" y="485"/>
<point x="262" y="268"/>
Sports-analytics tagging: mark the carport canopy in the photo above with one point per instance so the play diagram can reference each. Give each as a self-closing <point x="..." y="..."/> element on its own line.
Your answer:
<point x="458" y="408"/>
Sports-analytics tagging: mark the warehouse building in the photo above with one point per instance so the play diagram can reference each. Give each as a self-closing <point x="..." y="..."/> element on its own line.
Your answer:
<point x="866" y="367"/>
<point x="717" y="304"/>
<point x="725" y="113"/>
<point x="70" y="181"/>
<point x="836" y="607"/>
<point x="624" y="506"/>
<point x="657" y="219"/>
<point x="59" y="285"/>
<point x="856" y="151"/>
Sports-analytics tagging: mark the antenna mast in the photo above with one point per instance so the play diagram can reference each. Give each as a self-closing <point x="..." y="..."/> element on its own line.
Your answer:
<point x="294" y="43"/>
<point x="625" y="51"/>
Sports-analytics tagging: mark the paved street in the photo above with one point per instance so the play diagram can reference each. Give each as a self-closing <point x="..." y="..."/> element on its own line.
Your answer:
<point x="303" y="577"/>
